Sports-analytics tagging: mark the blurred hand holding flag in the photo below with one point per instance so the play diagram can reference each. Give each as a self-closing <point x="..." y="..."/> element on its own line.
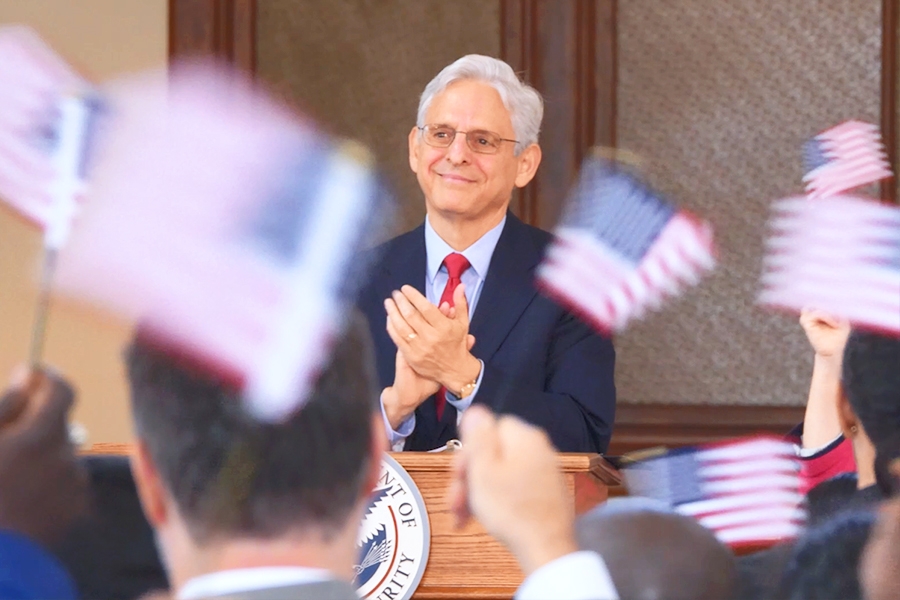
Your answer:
<point x="621" y="249"/>
<point x="747" y="491"/>
<point x="226" y="226"/>
<point x="840" y="254"/>
<point x="845" y="157"/>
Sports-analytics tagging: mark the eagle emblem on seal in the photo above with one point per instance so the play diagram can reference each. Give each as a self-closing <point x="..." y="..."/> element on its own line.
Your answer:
<point x="394" y="537"/>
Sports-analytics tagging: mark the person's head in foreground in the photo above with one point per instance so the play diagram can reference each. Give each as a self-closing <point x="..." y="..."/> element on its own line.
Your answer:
<point x="870" y="407"/>
<point x="475" y="140"/>
<point x="879" y="568"/>
<point x="657" y="555"/>
<point x="224" y="491"/>
<point x="825" y="561"/>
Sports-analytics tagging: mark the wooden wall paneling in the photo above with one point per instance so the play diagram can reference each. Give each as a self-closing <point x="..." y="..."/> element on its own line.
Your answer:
<point x="890" y="73"/>
<point x="565" y="49"/>
<point x="225" y="29"/>
<point x="243" y="34"/>
<point x="605" y="76"/>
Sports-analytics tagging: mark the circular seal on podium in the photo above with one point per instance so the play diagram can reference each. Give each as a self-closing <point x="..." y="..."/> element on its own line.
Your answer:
<point x="394" y="538"/>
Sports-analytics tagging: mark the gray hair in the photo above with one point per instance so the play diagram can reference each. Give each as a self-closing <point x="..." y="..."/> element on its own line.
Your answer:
<point x="524" y="103"/>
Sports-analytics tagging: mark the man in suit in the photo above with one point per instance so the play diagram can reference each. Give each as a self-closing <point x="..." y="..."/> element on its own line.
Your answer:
<point x="468" y="271"/>
<point x="246" y="509"/>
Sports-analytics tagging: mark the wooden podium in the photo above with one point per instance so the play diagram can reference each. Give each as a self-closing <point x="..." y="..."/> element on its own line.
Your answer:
<point x="469" y="563"/>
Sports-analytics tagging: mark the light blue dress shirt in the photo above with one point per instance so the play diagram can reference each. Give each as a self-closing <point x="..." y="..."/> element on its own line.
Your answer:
<point x="479" y="256"/>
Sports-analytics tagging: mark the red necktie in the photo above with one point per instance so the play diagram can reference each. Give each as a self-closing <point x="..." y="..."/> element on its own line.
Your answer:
<point x="456" y="265"/>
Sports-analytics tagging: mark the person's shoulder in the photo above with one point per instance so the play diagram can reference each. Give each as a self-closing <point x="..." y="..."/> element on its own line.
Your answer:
<point x="396" y="244"/>
<point x="520" y="227"/>
<point x="538" y="237"/>
<point x="31" y="571"/>
<point x="315" y="590"/>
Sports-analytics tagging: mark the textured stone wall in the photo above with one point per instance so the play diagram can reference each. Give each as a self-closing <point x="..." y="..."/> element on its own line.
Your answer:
<point x="359" y="66"/>
<point x="719" y="97"/>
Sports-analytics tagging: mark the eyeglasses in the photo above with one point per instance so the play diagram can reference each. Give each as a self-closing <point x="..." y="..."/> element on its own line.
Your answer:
<point x="483" y="142"/>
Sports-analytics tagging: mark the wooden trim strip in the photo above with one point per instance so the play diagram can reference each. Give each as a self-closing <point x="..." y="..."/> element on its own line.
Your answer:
<point x="518" y="47"/>
<point x="640" y="426"/>
<point x="244" y="35"/>
<point x="606" y="73"/>
<point x="225" y="29"/>
<point x="890" y="72"/>
<point x="115" y="449"/>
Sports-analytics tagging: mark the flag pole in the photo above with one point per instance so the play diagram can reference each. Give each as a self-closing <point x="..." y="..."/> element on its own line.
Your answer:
<point x="76" y="111"/>
<point x="42" y="310"/>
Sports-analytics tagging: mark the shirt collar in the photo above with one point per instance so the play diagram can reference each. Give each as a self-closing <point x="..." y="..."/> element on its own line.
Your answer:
<point x="235" y="581"/>
<point x="478" y="254"/>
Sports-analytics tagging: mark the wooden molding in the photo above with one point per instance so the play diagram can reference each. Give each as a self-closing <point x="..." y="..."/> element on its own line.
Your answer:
<point x="890" y="72"/>
<point x="640" y="426"/>
<point x="225" y="29"/>
<point x="566" y="49"/>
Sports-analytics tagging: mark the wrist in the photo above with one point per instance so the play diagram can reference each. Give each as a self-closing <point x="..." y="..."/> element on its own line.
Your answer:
<point x="395" y="413"/>
<point x="462" y="379"/>
<point x="828" y="363"/>
<point x="539" y="552"/>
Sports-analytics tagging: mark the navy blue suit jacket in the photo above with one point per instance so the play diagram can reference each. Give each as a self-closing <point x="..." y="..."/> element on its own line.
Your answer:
<point x="540" y="362"/>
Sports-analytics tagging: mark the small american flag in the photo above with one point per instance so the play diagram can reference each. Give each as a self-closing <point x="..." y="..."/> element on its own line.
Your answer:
<point x="45" y="118"/>
<point x="621" y="249"/>
<point x="33" y="82"/>
<point x="840" y="254"/>
<point x="226" y="226"/>
<point x="843" y="158"/>
<point x="747" y="491"/>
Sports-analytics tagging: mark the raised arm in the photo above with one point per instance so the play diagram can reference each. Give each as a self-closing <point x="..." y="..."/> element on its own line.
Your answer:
<point x="828" y="336"/>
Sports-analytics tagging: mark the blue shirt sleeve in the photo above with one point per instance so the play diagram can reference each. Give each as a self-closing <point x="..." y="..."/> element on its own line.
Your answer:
<point x="397" y="439"/>
<point x="28" y="572"/>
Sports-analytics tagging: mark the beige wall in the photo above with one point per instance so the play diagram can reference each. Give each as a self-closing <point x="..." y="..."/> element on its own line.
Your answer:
<point x="103" y="38"/>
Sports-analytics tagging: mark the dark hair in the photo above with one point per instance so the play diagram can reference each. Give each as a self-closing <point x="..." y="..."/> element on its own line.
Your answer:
<point x="825" y="561"/>
<point x="871" y="381"/>
<point x="232" y="475"/>
<point x="652" y="554"/>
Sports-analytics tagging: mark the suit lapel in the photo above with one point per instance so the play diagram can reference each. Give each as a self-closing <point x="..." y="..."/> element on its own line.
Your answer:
<point x="404" y="263"/>
<point x="508" y="289"/>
